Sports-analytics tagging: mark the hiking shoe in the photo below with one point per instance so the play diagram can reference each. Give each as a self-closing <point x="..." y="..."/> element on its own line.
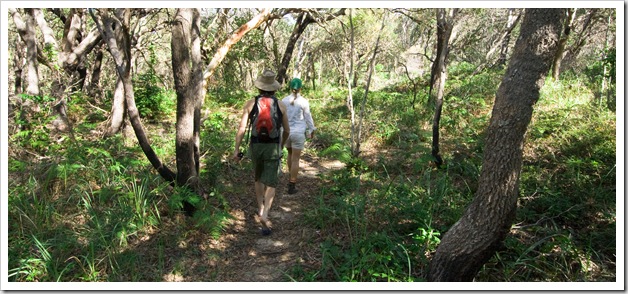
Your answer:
<point x="292" y="188"/>
<point x="266" y="232"/>
<point x="265" y="227"/>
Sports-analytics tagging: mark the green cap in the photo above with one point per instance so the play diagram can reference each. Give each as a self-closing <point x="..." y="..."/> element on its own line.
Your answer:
<point x="295" y="84"/>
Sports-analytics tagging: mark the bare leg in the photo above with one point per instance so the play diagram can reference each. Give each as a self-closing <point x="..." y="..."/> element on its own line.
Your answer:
<point x="294" y="159"/>
<point x="259" y="194"/>
<point x="289" y="161"/>
<point x="269" y="195"/>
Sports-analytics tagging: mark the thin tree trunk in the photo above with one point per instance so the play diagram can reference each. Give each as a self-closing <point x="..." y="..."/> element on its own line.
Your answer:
<point x="562" y="44"/>
<point x="120" y="50"/>
<point x="472" y="240"/>
<point x="354" y="151"/>
<point x="303" y="20"/>
<point x="368" y="84"/>
<point x="510" y="23"/>
<point x="439" y="75"/>
<point x="234" y="38"/>
<point x="46" y="31"/>
<point x="504" y="40"/>
<point x="605" y="70"/>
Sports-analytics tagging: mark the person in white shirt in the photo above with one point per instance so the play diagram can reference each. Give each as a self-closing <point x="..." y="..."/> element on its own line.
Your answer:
<point x="301" y="126"/>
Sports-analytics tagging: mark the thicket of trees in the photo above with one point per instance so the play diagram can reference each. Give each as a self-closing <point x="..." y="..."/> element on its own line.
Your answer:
<point x="133" y="65"/>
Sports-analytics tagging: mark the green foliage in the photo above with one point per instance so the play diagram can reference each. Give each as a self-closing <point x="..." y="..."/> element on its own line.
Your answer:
<point x="181" y="195"/>
<point x="34" y="124"/>
<point x="565" y="226"/>
<point x="603" y="68"/>
<point x="152" y="99"/>
<point x="379" y="210"/>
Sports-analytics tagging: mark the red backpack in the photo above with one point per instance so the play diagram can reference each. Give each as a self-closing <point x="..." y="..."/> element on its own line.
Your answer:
<point x="265" y="118"/>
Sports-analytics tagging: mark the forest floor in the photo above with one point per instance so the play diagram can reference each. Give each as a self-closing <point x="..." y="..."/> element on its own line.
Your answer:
<point x="242" y="253"/>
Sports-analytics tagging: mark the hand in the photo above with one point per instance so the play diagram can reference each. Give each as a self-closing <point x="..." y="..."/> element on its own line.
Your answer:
<point x="311" y="135"/>
<point x="238" y="156"/>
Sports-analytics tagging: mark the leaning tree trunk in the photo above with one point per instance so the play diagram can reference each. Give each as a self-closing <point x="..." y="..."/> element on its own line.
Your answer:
<point x="439" y="75"/>
<point x="119" y="46"/>
<point x="303" y="20"/>
<point x="562" y="43"/>
<point x="222" y="51"/>
<point x="476" y="236"/>
<point x="505" y="44"/>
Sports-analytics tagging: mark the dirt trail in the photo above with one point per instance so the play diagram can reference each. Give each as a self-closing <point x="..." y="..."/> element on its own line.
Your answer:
<point x="247" y="256"/>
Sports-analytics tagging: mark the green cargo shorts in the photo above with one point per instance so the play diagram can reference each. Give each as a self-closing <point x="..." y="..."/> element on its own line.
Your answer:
<point x="266" y="162"/>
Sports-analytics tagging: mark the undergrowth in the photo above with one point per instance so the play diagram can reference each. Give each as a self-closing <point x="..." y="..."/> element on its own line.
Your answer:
<point x="383" y="216"/>
<point x="83" y="208"/>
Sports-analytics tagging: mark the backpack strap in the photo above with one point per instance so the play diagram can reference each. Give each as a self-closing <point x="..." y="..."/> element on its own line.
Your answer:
<point x="249" y="122"/>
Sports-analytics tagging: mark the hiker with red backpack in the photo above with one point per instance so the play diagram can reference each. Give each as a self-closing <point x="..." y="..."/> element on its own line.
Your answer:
<point x="301" y="126"/>
<point x="264" y="117"/>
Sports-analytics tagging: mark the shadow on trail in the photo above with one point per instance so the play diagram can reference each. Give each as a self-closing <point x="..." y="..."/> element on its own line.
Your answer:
<point x="180" y="251"/>
<point x="247" y="256"/>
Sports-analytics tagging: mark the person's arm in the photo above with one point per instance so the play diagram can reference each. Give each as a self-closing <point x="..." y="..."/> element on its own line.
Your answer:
<point x="308" y="119"/>
<point x="242" y="128"/>
<point x="285" y="124"/>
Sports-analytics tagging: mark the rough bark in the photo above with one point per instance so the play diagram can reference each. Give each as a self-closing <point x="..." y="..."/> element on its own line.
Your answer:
<point x="476" y="236"/>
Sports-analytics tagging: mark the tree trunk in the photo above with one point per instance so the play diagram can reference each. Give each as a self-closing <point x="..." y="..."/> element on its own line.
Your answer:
<point x="118" y="110"/>
<point x="562" y="43"/>
<point x="26" y="29"/>
<point x="368" y="84"/>
<point x="75" y="45"/>
<point x="234" y="38"/>
<point x="510" y="23"/>
<point x="188" y="79"/>
<point x="580" y="36"/>
<point x="119" y="46"/>
<point x="303" y="20"/>
<point x="94" y="85"/>
<point x="354" y="149"/>
<point x="445" y="25"/>
<point x="17" y="65"/>
<point x="476" y="236"/>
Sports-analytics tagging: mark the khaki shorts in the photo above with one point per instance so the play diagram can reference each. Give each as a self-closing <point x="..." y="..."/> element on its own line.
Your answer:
<point x="296" y="141"/>
<point x="266" y="162"/>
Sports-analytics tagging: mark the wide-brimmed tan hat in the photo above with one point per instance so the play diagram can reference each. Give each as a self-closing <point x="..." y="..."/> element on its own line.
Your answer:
<point x="266" y="81"/>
